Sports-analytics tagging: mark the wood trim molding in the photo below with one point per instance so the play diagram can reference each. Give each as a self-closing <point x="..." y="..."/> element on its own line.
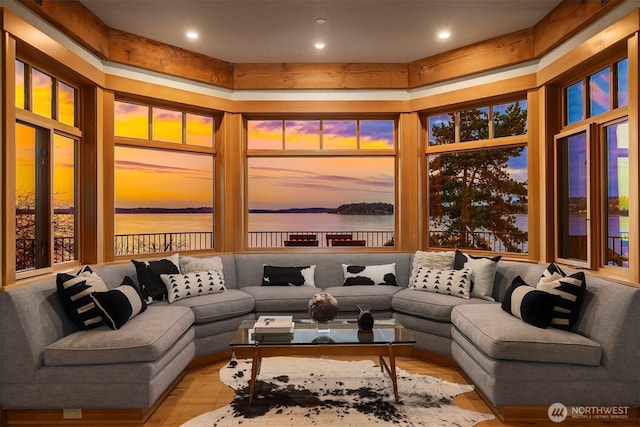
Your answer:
<point x="8" y="153"/>
<point x="141" y="52"/>
<point x="321" y="76"/>
<point x="118" y="46"/>
<point x="498" y="52"/>
<point x="566" y="20"/>
<point x="634" y="155"/>
<point x="474" y="94"/>
<point x="408" y="161"/>
<point x="38" y="44"/>
<point x="77" y="21"/>
<point x="589" y="51"/>
<point x="151" y="90"/>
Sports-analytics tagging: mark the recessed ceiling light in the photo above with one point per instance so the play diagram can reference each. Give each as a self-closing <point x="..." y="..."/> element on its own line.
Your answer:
<point x="320" y="46"/>
<point x="443" y="35"/>
<point x="320" y="21"/>
<point x="192" y="35"/>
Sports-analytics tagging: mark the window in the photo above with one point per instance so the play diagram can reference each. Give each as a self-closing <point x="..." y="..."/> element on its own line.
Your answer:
<point x="46" y="150"/>
<point x="477" y="196"/>
<point x="580" y="104"/>
<point x="321" y="182"/>
<point x="163" y="184"/>
<point x="592" y="178"/>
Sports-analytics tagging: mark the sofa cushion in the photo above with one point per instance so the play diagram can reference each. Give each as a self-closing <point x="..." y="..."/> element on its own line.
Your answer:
<point x="384" y="274"/>
<point x="144" y="338"/>
<point x="121" y="304"/>
<point x="350" y="297"/>
<point x="529" y="304"/>
<point x="74" y="292"/>
<point x="288" y="276"/>
<point x="194" y="284"/>
<point x="281" y="298"/>
<point x="502" y="336"/>
<point x="218" y="306"/>
<point x="429" y="305"/>
<point x="571" y="290"/>
<point x="449" y="282"/>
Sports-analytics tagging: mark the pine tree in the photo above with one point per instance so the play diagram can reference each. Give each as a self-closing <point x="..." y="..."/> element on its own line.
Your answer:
<point x="471" y="192"/>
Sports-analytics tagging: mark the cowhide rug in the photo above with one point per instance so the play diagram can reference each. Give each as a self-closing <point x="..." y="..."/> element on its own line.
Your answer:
<point x="325" y="392"/>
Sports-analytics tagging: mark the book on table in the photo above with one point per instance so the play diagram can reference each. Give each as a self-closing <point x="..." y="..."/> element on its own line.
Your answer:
<point x="273" y="325"/>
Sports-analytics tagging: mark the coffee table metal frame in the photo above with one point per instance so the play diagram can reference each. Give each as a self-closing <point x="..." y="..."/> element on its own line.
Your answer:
<point x="388" y="339"/>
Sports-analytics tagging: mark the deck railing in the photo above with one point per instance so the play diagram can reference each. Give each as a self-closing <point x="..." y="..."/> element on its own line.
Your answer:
<point x="487" y="240"/>
<point x="64" y="250"/>
<point x="276" y="239"/>
<point x="618" y="253"/>
<point x="129" y="244"/>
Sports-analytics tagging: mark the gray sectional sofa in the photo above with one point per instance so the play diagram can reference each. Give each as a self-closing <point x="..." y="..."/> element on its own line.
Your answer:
<point x="48" y="363"/>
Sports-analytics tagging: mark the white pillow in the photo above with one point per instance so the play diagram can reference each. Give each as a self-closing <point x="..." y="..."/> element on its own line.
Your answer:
<point x="189" y="264"/>
<point x="431" y="259"/>
<point x="181" y="286"/>
<point x="448" y="282"/>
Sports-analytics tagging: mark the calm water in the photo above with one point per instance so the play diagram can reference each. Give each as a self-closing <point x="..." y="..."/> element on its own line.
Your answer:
<point x="162" y="223"/>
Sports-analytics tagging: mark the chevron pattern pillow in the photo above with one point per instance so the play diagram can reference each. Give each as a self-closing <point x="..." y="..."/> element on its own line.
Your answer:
<point x="181" y="286"/>
<point x="448" y="282"/>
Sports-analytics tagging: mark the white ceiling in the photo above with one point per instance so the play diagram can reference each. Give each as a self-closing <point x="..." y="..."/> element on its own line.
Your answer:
<point x="241" y="31"/>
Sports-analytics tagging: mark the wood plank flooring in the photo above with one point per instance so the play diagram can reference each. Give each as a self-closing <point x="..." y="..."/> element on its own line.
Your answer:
<point x="201" y="391"/>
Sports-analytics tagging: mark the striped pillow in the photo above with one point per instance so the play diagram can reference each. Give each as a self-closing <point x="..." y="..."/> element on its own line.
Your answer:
<point x="529" y="304"/>
<point x="571" y="290"/>
<point x="121" y="304"/>
<point x="74" y="292"/>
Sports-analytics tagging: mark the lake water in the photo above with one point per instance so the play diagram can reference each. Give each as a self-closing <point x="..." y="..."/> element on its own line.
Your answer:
<point x="162" y="223"/>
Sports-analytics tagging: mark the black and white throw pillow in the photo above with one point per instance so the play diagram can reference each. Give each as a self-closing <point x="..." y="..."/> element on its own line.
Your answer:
<point x="570" y="288"/>
<point x="153" y="288"/>
<point x="384" y="274"/>
<point x="529" y="304"/>
<point x="483" y="273"/>
<point x="181" y="286"/>
<point x="438" y="260"/>
<point x="289" y="276"/>
<point x="448" y="282"/>
<point x="74" y="292"/>
<point x="121" y="304"/>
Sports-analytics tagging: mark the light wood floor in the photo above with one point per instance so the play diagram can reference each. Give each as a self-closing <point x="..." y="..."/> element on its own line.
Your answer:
<point x="201" y="391"/>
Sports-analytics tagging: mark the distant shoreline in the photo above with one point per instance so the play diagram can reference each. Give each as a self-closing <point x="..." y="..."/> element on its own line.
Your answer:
<point x="346" y="209"/>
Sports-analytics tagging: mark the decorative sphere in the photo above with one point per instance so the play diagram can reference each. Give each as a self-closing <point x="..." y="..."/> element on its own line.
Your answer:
<point x="323" y="307"/>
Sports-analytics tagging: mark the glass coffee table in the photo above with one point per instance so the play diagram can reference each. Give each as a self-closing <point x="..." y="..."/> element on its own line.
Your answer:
<point x="388" y="339"/>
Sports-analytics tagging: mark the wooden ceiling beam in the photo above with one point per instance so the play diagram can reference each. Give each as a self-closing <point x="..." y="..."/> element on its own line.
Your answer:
<point x="73" y="18"/>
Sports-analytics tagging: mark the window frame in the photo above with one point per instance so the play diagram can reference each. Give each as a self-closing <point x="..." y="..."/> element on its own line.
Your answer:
<point x="166" y="146"/>
<point x="46" y="129"/>
<point x="596" y="241"/>
<point x="474" y="145"/>
<point x="322" y="153"/>
<point x="591" y="214"/>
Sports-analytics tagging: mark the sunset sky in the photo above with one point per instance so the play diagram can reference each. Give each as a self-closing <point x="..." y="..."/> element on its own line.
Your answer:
<point x="157" y="178"/>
